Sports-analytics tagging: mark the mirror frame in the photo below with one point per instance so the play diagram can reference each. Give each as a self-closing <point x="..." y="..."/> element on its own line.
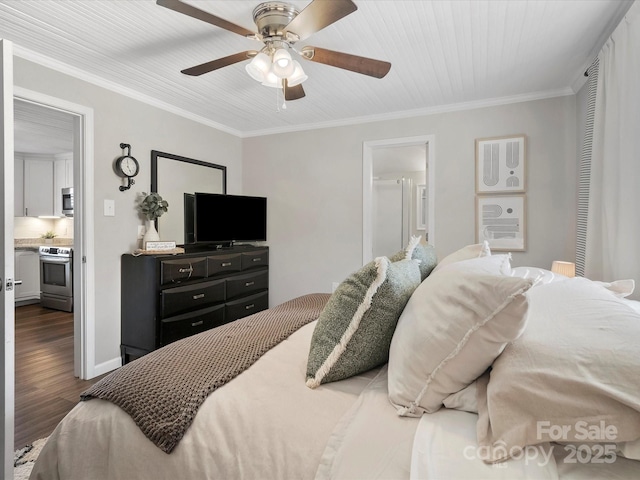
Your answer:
<point x="156" y="155"/>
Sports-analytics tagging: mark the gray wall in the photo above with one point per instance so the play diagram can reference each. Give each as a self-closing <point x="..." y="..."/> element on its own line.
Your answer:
<point x="122" y="119"/>
<point x="313" y="180"/>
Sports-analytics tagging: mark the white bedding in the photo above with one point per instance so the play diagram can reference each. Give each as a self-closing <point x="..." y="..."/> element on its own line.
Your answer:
<point x="263" y="424"/>
<point x="267" y="424"/>
<point x="573" y="325"/>
<point x="445" y="447"/>
<point x="371" y="441"/>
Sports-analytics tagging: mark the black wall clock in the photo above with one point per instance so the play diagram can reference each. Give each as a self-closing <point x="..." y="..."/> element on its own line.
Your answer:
<point x="127" y="167"/>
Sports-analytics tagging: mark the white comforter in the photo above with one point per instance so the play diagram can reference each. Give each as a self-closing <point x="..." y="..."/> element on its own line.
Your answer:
<point x="263" y="424"/>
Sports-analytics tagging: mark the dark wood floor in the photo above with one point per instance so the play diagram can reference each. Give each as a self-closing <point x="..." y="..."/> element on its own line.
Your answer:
<point x="46" y="389"/>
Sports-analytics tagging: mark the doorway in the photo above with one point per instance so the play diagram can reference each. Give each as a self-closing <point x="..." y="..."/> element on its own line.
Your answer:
<point x="81" y="119"/>
<point x="398" y="181"/>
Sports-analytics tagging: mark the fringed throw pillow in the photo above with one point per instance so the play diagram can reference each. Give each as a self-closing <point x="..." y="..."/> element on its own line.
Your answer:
<point x="355" y="328"/>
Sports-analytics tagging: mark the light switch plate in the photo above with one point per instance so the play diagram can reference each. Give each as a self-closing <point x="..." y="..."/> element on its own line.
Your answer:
<point x="109" y="208"/>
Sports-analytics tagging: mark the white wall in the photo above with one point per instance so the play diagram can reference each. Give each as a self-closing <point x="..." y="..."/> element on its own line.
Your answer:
<point x="313" y="180"/>
<point x="119" y="118"/>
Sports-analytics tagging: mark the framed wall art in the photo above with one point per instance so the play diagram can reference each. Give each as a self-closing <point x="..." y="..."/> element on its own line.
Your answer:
<point x="501" y="220"/>
<point x="501" y="164"/>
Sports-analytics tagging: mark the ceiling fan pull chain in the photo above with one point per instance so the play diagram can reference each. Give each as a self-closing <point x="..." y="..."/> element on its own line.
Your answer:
<point x="284" y="101"/>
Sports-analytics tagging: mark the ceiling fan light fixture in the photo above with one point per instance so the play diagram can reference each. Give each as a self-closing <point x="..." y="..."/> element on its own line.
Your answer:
<point x="259" y="67"/>
<point x="298" y="76"/>
<point x="272" y="80"/>
<point x="282" y="63"/>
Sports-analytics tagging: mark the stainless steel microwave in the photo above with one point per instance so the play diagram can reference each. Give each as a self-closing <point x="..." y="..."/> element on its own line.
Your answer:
<point x="67" y="202"/>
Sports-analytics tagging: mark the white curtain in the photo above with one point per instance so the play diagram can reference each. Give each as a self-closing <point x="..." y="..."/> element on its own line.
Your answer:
<point x="613" y="227"/>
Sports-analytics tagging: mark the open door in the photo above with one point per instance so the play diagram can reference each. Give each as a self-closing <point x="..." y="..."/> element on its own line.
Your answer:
<point x="7" y="346"/>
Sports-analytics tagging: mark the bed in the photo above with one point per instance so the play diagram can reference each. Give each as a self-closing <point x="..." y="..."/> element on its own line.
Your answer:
<point x="412" y="369"/>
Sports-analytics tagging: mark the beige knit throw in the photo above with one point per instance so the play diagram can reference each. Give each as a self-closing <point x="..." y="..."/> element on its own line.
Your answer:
<point x="163" y="390"/>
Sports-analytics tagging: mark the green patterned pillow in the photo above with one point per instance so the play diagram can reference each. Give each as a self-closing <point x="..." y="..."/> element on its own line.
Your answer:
<point x="417" y="250"/>
<point x="354" y="331"/>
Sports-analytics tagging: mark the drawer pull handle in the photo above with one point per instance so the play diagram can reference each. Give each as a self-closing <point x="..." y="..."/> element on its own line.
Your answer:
<point x="226" y="264"/>
<point x="186" y="270"/>
<point x="257" y="259"/>
<point x="248" y="284"/>
<point x="197" y="324"/>
<point x="200" y="295"/>
<point x="249" y="307"/>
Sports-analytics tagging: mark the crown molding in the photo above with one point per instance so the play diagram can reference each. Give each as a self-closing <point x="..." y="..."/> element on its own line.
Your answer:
<point x="62" y="67"/>
<point x="422" y="112"/>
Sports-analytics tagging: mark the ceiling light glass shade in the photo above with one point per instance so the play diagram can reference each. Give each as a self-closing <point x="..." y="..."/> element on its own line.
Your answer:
<point x="259" y="67"/>
<point x="272" y="80"/>
<point x="298" y="76"/>
<point x="282" y="63"/>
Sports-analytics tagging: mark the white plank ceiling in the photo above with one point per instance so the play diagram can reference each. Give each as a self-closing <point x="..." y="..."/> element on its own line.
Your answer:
<point x="444" y="55"/>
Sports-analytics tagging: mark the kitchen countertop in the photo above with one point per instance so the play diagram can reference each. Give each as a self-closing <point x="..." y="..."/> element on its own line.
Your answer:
<point x="32" y="244"/>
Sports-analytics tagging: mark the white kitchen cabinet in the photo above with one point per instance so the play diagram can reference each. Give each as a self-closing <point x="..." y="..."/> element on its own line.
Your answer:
<point x="62" y="178"/>
<point x="38" y="187"/>
<point x="27" y="269"/>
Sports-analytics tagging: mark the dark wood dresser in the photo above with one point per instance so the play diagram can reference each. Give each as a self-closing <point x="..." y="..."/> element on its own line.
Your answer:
<point x="169" y="297"/>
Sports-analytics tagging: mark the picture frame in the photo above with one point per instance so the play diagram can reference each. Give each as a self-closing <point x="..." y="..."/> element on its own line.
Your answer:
<point x="501" y="164"/>
<point x="421" y="207"/>
<point x="501" y="220"/>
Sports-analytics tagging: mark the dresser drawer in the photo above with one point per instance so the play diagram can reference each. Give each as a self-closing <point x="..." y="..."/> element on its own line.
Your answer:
<point x="221" y="264"/>
<point x="246" y="306"/>
<point x="259" y="258"/>
<point x="181" y="326"/>
<point x="191" y="297"/>
<point x="182" y="270"/>
<point x="246" y="284"/>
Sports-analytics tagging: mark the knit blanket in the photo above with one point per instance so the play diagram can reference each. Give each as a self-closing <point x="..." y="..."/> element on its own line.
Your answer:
<point x="163" y="390"/>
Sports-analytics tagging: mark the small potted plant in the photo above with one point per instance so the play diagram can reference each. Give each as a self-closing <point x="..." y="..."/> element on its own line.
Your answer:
<point x="151" y="206"/>
<point x="48" y="236"/>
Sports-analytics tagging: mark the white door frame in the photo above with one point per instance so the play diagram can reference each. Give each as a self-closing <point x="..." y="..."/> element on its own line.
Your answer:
<point x="367" y="186"/>
<point x="83" y="259"/>
<point x="7" y="295"/>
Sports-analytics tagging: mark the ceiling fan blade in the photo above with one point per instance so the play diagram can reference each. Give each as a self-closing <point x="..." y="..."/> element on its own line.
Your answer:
<point x="292" y="93"/>
<point x="365" y="66"/>
<point x="219" y="63"/>
<point x="194" y="12"/>
<point x="318" y="15"/>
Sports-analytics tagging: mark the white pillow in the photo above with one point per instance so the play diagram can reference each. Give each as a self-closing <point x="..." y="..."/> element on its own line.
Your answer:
<point x="620" y="288"/>
<point x="466" y="253"/>
<point x="577" y="362"/>
<point x="629" y="449"/>
<point x="490" y="265"/>
<point x="465" y="400"/>
<point x="455" y="324"/>
<point x="541" y="275"/>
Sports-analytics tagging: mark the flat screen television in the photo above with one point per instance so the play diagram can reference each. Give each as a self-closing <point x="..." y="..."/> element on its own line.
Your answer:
<point x="225" y="219"/>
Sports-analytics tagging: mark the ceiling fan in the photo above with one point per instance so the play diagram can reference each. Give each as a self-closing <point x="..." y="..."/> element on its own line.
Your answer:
<point x="279" y="26"/>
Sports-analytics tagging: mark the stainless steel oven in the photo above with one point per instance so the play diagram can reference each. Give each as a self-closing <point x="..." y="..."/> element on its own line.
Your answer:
<point x="56" y="278"/>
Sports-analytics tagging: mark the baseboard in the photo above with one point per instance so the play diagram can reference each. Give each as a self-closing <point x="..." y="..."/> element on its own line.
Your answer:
<point x="106" y="367"/>
<point x="32" y="301"/>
